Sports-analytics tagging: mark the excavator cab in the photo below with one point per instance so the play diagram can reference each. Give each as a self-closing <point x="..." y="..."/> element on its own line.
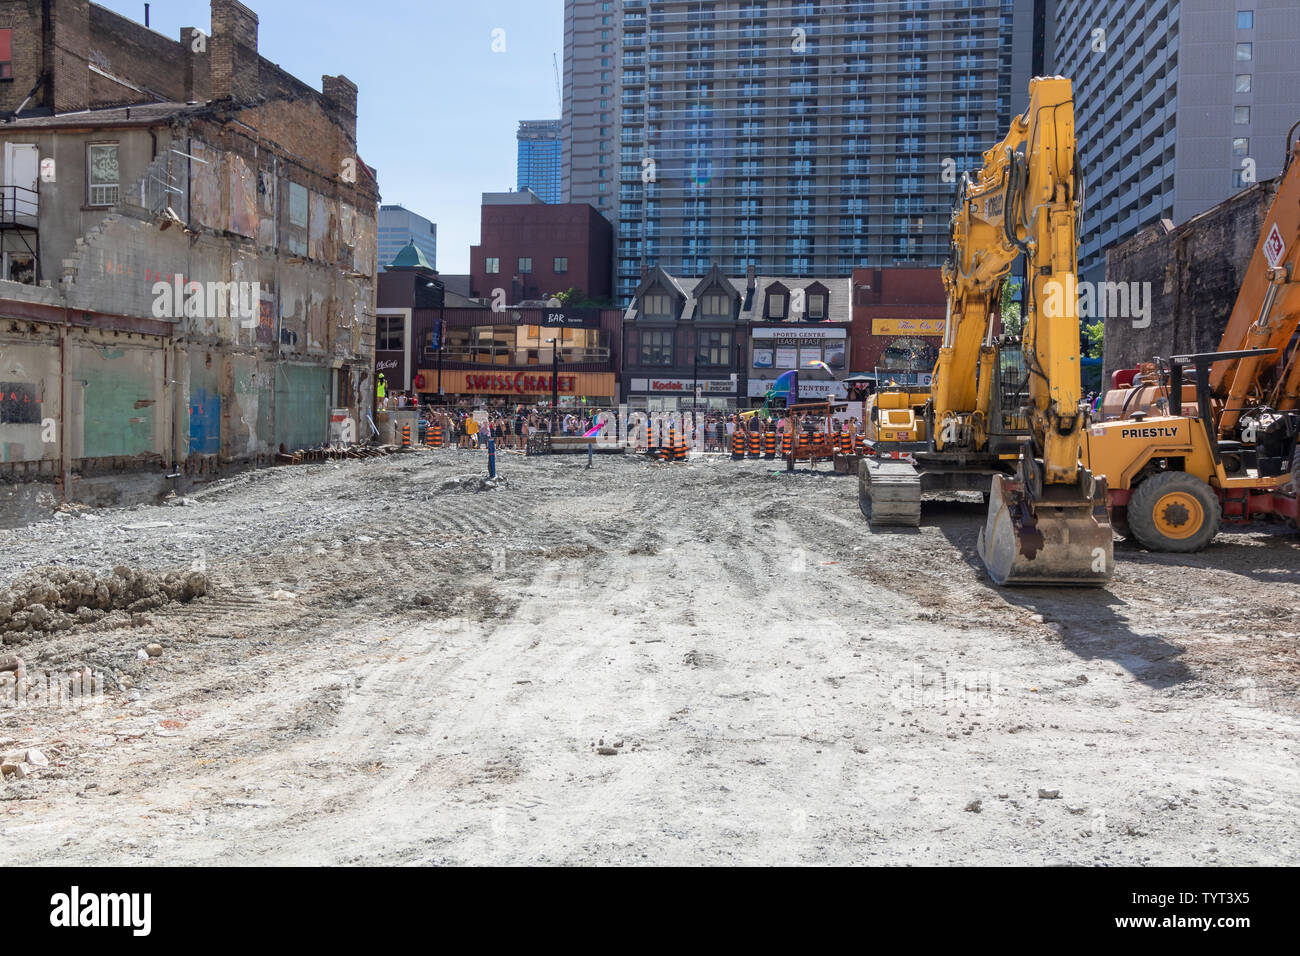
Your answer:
<point x="896" y="415"/>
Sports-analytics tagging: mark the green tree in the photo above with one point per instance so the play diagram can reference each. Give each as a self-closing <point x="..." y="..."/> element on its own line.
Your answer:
<point x="1092" y="336"/>
<point x="577" y="299"/>
<point x="1012" y="321"/>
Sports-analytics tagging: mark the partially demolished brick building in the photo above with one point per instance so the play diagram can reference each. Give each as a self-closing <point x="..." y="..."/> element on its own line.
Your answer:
<point x="189" y="244"/>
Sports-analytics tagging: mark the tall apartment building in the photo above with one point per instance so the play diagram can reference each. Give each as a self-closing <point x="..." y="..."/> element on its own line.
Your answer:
<point x="1178" y="105"/>
<point x="399" y="226"/>
<point x="593" y="31"/>
<point x="800" y="137"/>
<point x="538" y="164"/>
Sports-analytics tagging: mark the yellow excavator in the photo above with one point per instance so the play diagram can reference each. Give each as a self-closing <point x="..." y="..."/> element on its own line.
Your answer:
<point x="1005" y="416"/>
<point x="1226" y="448"/>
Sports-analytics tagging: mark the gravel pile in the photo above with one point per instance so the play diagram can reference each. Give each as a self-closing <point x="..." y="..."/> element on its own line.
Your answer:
<point x="54" y="599"/>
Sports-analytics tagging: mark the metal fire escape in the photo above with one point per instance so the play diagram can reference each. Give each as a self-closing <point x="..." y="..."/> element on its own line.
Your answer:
<point x="18" y="214"/>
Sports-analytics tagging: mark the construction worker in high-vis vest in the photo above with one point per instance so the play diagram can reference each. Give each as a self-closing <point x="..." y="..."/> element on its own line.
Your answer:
<point x="381" y="388"/>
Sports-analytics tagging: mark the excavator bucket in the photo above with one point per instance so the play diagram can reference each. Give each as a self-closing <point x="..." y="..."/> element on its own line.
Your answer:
<point x="1063" y="538"/>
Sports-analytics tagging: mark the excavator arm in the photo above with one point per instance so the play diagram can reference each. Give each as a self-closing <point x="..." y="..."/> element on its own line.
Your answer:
<point x="979" y="259"/>
<point x="1049" y="523"/>
<point x="1266" y="313"/>
<point x="1023" y="201"/>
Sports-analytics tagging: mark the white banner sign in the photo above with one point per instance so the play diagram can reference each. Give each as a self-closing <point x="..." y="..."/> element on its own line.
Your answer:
<point x="800" y="335"/>
<point x="824" y="389"/>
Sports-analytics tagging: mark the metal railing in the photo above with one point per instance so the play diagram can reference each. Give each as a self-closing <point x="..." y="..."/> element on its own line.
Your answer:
<point x="19" y="206"/>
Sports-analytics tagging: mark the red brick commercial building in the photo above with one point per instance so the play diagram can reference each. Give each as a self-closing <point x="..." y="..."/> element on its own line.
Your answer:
<point x="454" y="352"/>
<point x="532" y="250"/>
<point x="898" y="318"/>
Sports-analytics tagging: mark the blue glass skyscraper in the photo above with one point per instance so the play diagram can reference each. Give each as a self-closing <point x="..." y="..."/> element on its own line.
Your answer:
<point x="539" y="158"/>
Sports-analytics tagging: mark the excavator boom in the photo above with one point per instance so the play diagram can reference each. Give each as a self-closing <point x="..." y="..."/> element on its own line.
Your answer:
<point x="1047" y="524"/>
<point x="1266" y="313"/>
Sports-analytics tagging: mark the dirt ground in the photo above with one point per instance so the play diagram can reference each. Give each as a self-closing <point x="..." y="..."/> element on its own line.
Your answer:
<point x="643" y="663"/>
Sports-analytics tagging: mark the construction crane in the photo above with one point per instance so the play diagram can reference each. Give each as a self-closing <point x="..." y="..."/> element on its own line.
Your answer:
<point x="1013" y="434"/>
<point x="1226" y="449"/>
<point x="559" y="90"/>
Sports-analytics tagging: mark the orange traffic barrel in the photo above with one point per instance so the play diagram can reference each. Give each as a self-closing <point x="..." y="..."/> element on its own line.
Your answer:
<point x="803" y="444"/>
<point x="436" y="432"/>
<point x="755" y="445"/>
<point x="679" y="450"/>
<point x="406" y="436"/>
<point x="666" y="451"/>
<point x="785" y="444"/>
<point x="737" y="445"/>
<point x="769" y="444"/>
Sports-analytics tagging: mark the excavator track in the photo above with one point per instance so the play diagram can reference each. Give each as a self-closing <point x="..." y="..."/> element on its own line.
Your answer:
<point x="889" y="492"/>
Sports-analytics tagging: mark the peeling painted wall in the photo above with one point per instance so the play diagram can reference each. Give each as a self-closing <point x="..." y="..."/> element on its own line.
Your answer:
<point x="118" y="398"/>
<point x="29" y="395"/>
<point x="204" y="201"/>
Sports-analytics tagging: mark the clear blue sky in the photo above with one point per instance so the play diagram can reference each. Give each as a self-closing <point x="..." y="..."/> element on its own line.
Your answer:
<point x="437" y="108"/>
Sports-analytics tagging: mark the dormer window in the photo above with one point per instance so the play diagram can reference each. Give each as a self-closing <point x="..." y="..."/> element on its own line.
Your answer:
<point x="816" y="307"/>
<point x="776" y="305"/>
<point x="715" y="306"/>
<point x="656" y="305"/>
<point x="816" y="303"/>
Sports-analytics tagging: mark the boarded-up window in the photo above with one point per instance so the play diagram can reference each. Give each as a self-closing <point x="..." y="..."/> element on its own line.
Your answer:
<point x="298" y="205"/>
<point x="205" y="186"/>
<point x="243" y="197"/>
<point x="295" y="235"/>
<point x="19" y="404"/>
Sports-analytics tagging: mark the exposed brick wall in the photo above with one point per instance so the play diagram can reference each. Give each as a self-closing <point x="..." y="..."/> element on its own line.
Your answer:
<point x="341" y="100"/>
<point x="24" y="21"/>
<point x="899" y="293"/>
<point x="542" y="232"/>
<point x="196" y="65"/>
<point x="235" y="63"/>
<point x="1195" y="272"/>
<point x="69" y="55"/>
<point x="77" y="34"/>
<point x="144" y="58"/>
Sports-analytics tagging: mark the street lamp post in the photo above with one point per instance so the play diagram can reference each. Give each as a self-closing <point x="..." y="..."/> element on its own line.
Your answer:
<point x="441" y="292"/>
<point x="695" y="374"/>
<point x="555" y="381"/>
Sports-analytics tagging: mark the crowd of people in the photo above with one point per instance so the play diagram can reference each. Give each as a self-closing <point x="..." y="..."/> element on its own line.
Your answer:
<point x="512" y="427"/>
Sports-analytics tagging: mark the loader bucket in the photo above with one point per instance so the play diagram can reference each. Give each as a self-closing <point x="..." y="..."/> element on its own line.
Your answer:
<point x="1062" y="539"/>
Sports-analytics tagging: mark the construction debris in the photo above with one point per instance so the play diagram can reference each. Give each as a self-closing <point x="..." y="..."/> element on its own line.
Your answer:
<point x="55" y="599"/>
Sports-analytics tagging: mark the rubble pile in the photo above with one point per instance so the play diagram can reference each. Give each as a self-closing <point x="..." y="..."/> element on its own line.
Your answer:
<point x="55" y="599"/>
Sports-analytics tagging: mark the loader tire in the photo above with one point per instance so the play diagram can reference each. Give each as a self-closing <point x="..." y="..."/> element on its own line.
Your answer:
<point x="1174" y="511"/>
